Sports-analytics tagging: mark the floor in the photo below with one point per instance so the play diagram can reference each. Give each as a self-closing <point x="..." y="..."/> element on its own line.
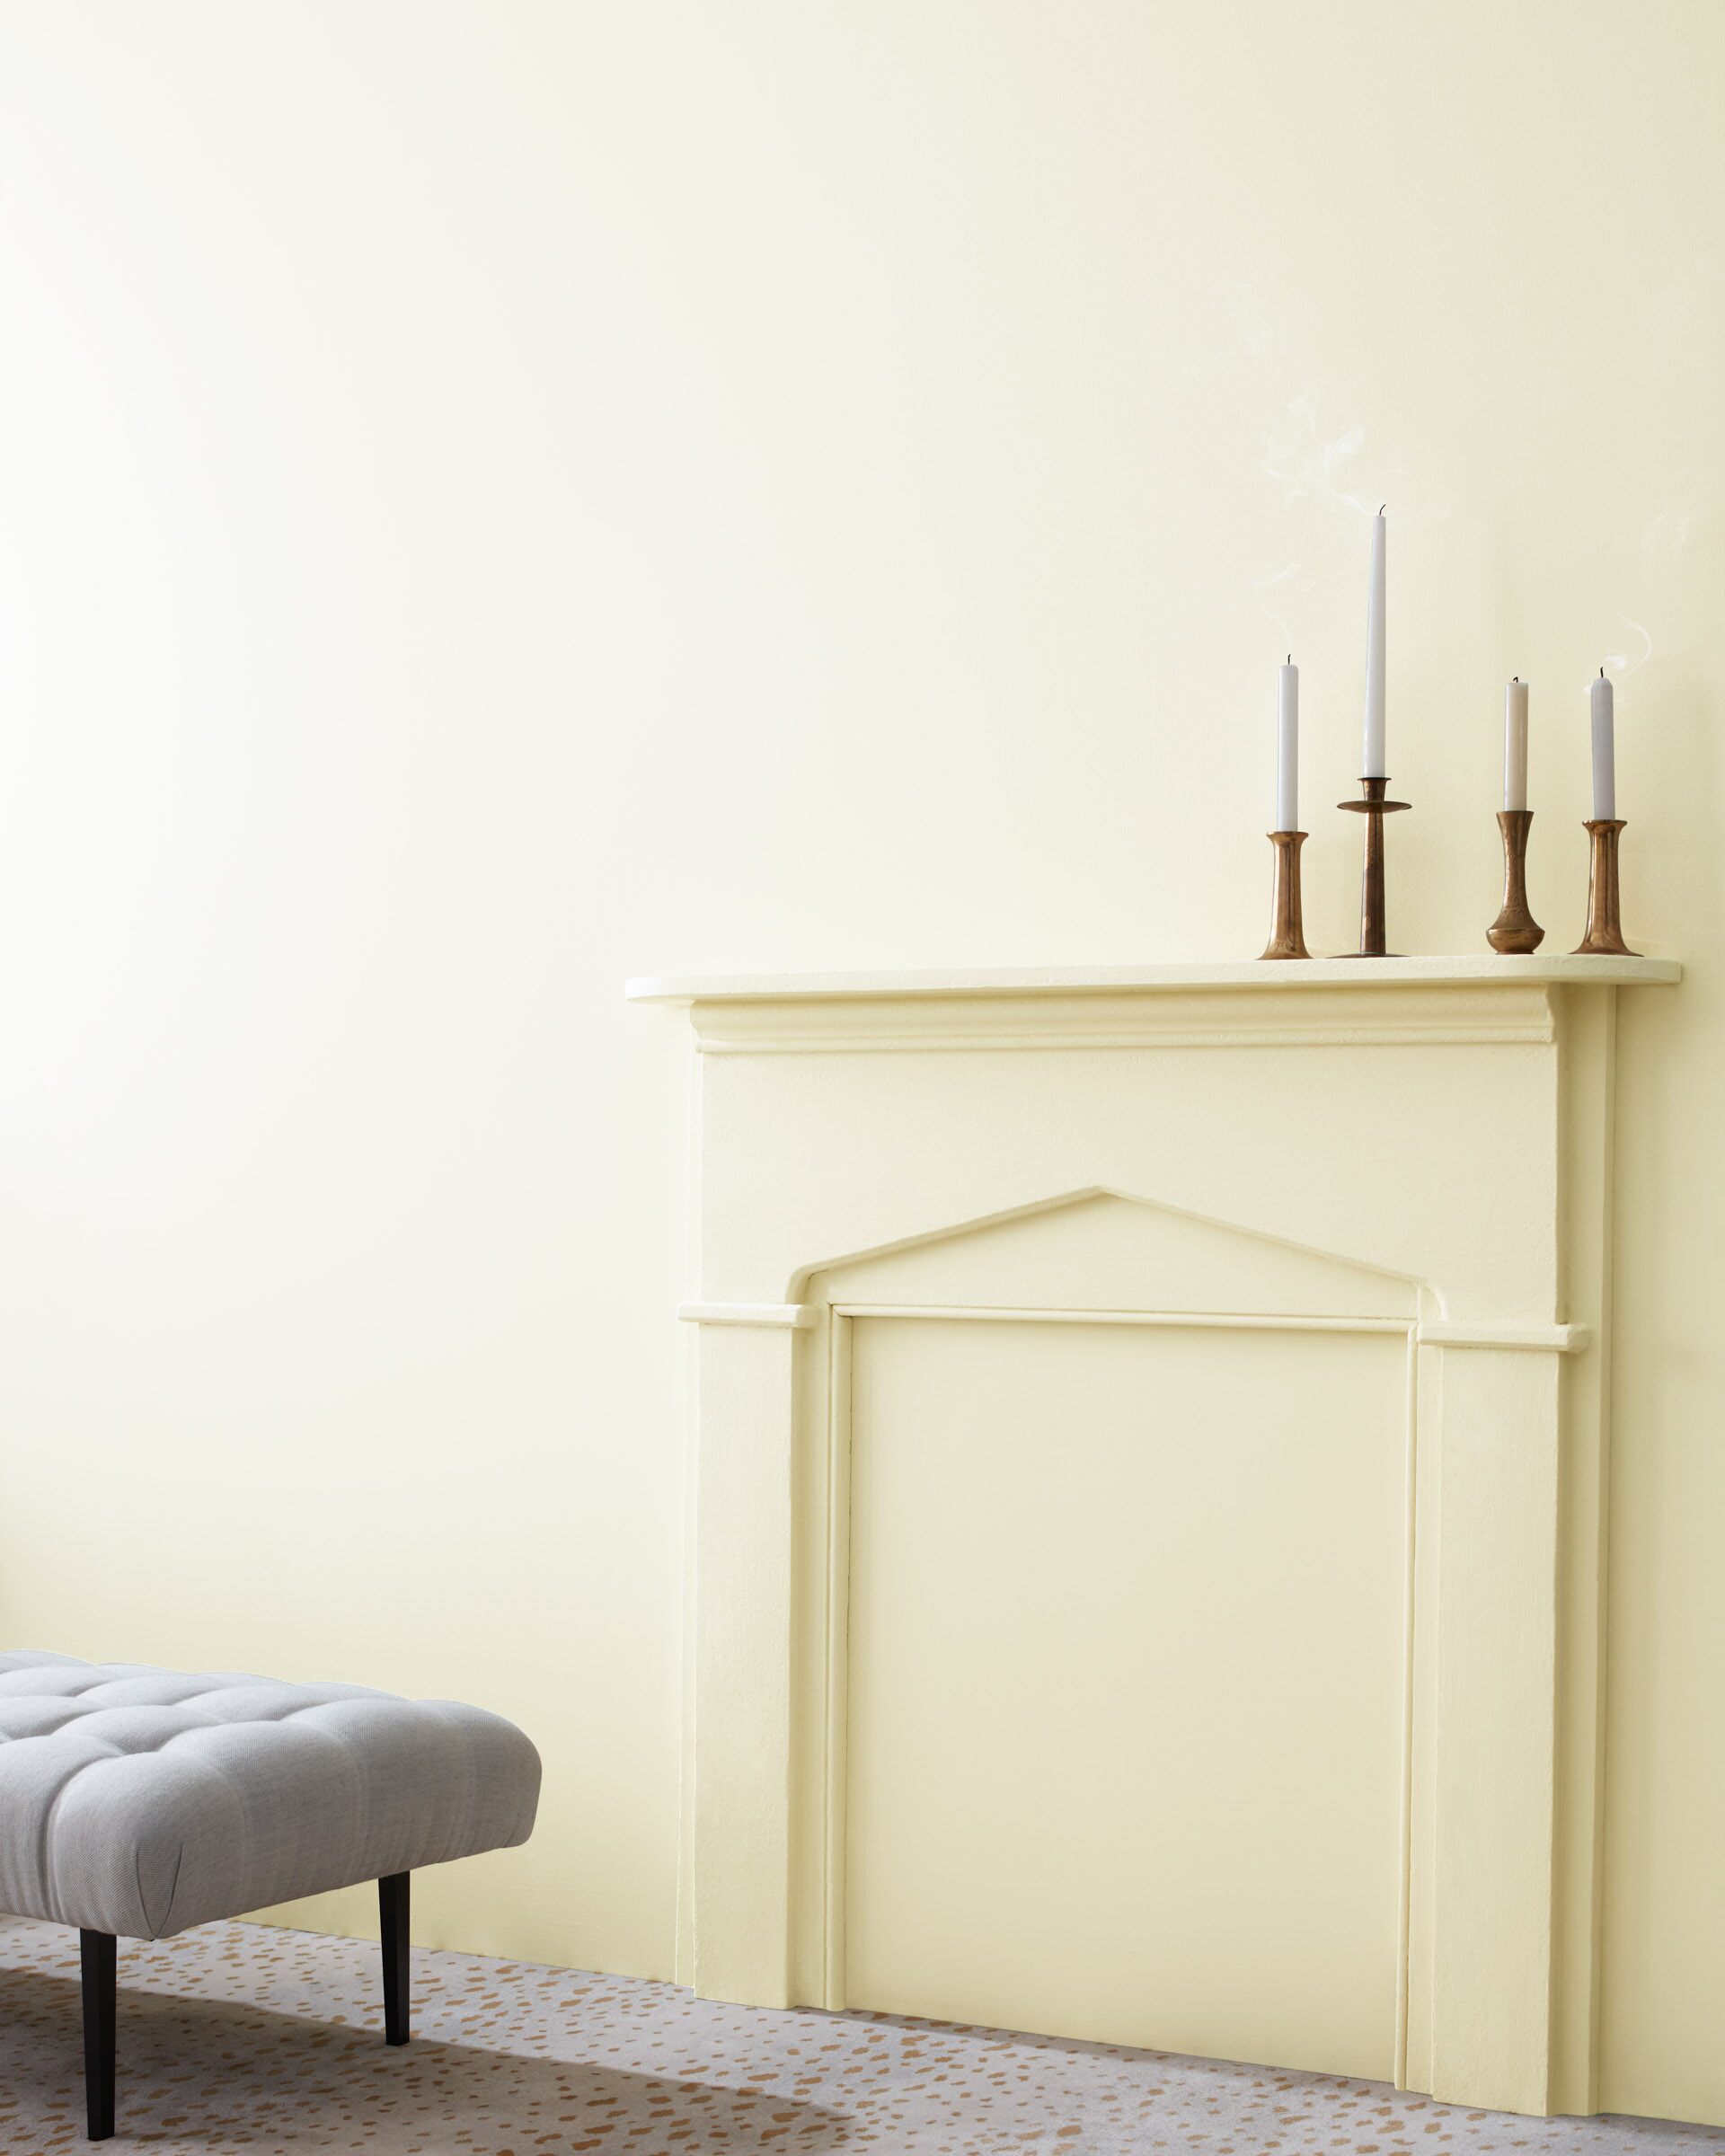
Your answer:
<point x="240" y="2037"/>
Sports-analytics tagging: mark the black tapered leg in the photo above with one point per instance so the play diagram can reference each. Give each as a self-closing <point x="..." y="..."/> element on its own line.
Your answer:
<point x="392" y="1910"/>
<point x="98" y="1958"/>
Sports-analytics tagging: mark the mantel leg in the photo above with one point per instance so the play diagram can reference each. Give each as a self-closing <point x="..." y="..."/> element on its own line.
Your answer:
<point x="742" y="1667"/>
<point x="1494" y="2006"/>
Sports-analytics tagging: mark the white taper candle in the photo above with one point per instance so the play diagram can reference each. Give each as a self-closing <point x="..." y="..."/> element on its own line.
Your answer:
<point x="1287" y="750"/>
<point x="1373" y="765"/>
<point x="1514" y="744"/>
<point x="1604" y="750"/>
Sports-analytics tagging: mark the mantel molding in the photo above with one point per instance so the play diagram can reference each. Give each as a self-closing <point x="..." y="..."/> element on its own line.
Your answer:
<point x="1327" y="1003"/>
<point x="1429" y="1332"/>
<point x="794" y="1315"/>
<point x="1290" y="976"/>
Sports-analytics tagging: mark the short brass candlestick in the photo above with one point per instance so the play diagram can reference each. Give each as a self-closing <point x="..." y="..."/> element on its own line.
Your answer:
<point x="1374" y="807"/>
<point x="1287" y="933"/>
<point x="1514" y="930"/>
<point x="1605" y="936"/>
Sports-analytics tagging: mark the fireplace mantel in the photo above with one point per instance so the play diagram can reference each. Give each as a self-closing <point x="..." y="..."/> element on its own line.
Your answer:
<point x="1416" y="1147"/>
<point x="1469" y="971"/>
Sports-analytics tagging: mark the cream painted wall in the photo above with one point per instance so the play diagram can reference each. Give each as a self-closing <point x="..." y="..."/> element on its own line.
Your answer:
<point x="496" y="498"/>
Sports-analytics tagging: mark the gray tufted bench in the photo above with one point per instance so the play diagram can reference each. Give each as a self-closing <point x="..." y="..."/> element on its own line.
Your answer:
<point x="136" y="1802"/>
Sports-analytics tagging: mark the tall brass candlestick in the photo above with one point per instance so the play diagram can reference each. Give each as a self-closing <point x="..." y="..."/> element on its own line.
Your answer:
<point x="1514" y="930"/>
<point x="1286" y="932"/>
<point x="1374" y="807"/>
<point x="1605" y="936"/>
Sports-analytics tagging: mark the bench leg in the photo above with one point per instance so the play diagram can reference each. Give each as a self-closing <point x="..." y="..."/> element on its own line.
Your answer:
<point x="97" y="1956"/>
<point x="391" y="1911"/>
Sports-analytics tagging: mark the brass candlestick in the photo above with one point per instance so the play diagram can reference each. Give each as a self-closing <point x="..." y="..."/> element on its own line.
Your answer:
<point x="1374" y="807"/>
<point x="1287" y="934"/>
<point x="1605" y="936"/>
<point x="1515" y="928"/>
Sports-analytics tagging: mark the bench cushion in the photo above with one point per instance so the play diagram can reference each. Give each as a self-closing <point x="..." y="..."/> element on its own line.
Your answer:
<point x="141" y="1802"/>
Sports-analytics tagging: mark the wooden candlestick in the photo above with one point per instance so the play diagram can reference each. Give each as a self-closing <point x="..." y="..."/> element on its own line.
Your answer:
<point x="1287" y="934"/>
<point x="1374" y="807"/>
<point x="1514" y="930"/>
<point x="1605" y="936"/>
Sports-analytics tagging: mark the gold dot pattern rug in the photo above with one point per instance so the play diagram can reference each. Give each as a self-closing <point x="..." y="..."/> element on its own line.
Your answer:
<point x="242" y="2036"/>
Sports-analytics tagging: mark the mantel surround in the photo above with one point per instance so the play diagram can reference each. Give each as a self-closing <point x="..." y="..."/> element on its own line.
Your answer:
<point x="1414" y="1146"/>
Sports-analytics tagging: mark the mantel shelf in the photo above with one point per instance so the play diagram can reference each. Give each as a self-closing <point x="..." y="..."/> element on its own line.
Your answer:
<point x="1275" y="976"/>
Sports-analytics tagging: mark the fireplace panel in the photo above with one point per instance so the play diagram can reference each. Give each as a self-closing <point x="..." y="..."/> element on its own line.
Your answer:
<point x="1126" y="1712"/>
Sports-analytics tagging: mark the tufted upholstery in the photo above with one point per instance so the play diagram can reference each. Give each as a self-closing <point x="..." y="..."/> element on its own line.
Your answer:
<point x="141" y="1802"/>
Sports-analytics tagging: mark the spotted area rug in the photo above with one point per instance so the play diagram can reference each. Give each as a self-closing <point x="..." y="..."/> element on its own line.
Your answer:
<point x="240" y="2036"/>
